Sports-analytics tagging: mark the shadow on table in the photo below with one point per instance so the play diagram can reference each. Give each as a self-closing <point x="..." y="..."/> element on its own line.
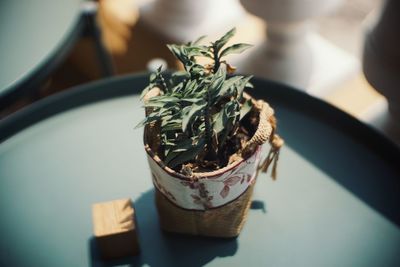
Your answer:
<point x="163" y="249"/>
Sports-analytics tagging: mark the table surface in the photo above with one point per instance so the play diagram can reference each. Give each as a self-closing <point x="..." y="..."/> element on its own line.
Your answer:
<point x="31" y="33"/>
<point x="335" y="202"/>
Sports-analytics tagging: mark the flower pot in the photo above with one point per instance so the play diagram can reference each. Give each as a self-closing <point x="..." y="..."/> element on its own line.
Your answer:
<point x="210" y="203"/>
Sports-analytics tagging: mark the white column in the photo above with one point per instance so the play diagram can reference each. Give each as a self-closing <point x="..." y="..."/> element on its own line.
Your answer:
<point x="381" y="65"/>
<point x="185" y="20"/>
<point x="292" y="52"/>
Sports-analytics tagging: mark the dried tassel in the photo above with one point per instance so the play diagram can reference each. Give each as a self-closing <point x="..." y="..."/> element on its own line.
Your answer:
<point x="267" y="161"/>
<point x="273" y="157"/>
<point x="275" y="166"/>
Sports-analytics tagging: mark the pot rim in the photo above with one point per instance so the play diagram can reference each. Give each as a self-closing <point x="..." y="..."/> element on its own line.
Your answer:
<point x="199" y="176"/>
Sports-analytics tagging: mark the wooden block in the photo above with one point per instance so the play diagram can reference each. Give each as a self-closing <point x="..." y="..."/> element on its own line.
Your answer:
<point x="115" y="229"/>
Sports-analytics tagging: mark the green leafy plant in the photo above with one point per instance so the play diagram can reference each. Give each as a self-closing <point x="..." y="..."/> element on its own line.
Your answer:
<point x="200" y="109"/>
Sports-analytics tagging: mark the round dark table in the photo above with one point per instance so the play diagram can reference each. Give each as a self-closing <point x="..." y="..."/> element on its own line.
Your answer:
<point x="335" y="203"/>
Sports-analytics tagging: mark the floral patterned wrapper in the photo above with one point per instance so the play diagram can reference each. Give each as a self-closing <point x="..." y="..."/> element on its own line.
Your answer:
<point x="210" y="192"/>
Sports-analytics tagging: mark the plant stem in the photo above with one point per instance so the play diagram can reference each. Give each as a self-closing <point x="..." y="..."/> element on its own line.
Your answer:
<point x="211" y="153"/>
<point x="207" y="121"/>
<point x="163" y="83"/>
<point x="216" y="60"/>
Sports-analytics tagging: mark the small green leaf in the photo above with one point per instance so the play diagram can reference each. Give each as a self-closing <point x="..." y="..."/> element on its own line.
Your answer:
<point x="194" y="111"/>
<point x="168" y="139"/>
<point x="244" y="82"/>
<point x="174" y="49"/>
<point x="187" y="155"/>
<point x="246" y="107"/>
<point x="165" y="119"/>
<point x="235" y="49"/>
<point x="216" y="83"/>
<point x="185" y="111"/>
<point x="170" y="156"/>
<point x="184" y="145"/>
<point x="224" y="39"/>
<point x="249" y="85"/>
<point x="172" y="127"/>
<point x="194" y="51"/>
<point x="178" y="77"/>
<point x="227" y="87"/>
<point x="195" y="70"/>
<point x="190" y="100"/>
<point x="219" y="121"/>
<point x="154" y="116"/>
<point x="154" y="104"/>
<point x="177" y="88"/>
<point x="232" y="108"/>
<point x="141" y="124"/>
<point x="180" y="53"/>
<point x="199" y="39"/>
<point x="153" y="77"/>
<point x="161" y="99"/>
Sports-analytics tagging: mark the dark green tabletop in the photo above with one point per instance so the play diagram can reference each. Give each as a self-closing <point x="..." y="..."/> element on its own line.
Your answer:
<point x="335" y="202"/>
<point x="33" y="34"/>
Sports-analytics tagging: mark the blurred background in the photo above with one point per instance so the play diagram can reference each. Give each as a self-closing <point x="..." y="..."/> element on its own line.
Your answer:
<point x="343" y="51"/>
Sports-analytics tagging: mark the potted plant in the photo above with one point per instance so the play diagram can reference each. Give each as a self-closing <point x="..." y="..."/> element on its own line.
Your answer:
<point x="203" y="136"/>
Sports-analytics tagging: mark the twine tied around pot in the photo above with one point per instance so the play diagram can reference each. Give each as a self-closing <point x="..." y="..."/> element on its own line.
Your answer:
<point x="266" y="132"/>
